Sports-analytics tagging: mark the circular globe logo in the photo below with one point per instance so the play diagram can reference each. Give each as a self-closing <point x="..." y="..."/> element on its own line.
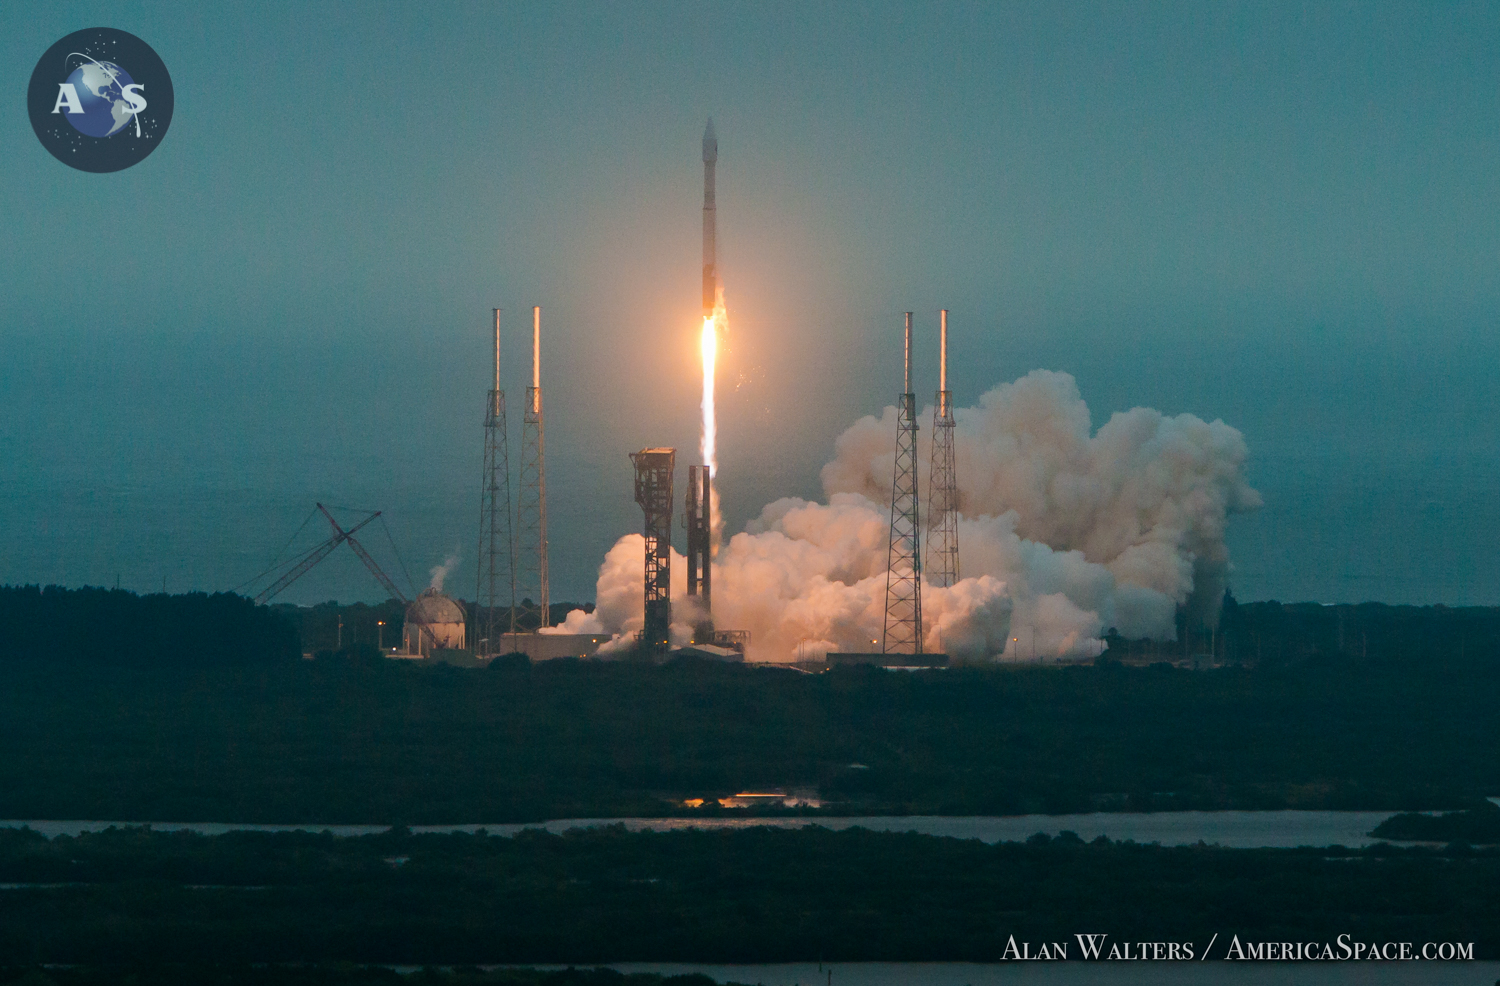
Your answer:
<point x="100" y="100"/>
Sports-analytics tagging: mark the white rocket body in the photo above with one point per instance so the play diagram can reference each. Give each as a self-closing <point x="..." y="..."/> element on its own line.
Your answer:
<point x="710" y="234"/>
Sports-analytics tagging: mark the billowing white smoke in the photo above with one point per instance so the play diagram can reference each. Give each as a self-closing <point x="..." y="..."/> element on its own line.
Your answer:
<point x="1062" y="535"/>
<point x="440" y="573"/>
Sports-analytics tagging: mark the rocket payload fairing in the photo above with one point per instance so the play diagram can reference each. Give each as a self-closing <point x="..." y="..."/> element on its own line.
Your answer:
<point x="710" y="234"/>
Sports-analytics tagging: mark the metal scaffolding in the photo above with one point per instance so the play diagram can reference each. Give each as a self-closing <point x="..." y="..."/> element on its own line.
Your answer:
<point x="653" y="491"/>
<point x="700" y="548"/>
<point x="903" y="580"/>
<point x="497" y="549"/>
<point x="531" y="520"/>
<point x="942" y="482"/>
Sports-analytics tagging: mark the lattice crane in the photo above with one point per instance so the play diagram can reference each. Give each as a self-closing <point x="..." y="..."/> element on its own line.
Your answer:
<point x="314" y="556"/>
<point x="321" y="551"/>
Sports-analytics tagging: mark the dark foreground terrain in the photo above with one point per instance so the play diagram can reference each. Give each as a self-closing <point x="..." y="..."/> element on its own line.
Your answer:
<point x="200" y="708"/>
<point x="336" y="974"/>
<point x="754" y="895"/>
<point x="1477" y="826"/>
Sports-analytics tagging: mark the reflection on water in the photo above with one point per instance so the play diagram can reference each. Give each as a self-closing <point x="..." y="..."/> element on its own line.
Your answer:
<point x="1232" y="829"/>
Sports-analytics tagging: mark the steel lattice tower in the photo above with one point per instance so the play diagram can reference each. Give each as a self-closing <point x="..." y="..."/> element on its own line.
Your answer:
<point x="700" y="573"/>
<point x="653" y="491"/>
<point x="497" y="549"/>
<point x="903" y="580"/>
<point x="942" y="482"/>
<point x="531" y="519"/>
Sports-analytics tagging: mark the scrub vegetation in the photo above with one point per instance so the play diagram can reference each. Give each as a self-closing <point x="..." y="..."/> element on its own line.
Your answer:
<point x="325" y="974"/>
<point x="199" y="708"/>
<point x="1478" y="826"/>
<point x="747" y="895"/>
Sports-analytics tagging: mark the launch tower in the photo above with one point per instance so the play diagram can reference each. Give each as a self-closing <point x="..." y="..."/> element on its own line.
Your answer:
<point x="699" y="549"/>
<point x="942" y="483"/>
<point x="531" y="526"/>
<point x="903" y="580"/>
<point x="653" y="491"/>
<point x="497" y="550"/>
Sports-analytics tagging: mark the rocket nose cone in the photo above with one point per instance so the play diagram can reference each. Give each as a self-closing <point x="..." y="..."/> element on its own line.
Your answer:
<point x="710" y="143"/>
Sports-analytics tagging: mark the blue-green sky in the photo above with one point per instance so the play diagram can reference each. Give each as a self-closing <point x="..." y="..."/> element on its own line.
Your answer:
<point x="1282" y="215"/>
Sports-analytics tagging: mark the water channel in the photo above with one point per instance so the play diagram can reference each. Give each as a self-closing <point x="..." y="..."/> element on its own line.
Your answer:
<point x="1231" y="829"/>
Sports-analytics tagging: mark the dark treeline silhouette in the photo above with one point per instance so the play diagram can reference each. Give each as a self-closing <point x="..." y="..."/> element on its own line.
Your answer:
<point x="194" y="708"/>
<point x="1275" y="633"/>
<point x="749" y="895"/>
<point x="112" y="626"/>
<point x="160" y="972"/>
<point x="1478" y="826"/>
<point x="379" y="741"/>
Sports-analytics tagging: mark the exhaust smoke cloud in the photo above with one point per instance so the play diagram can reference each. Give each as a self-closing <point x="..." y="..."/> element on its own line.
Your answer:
<point x="439" y="573"/>
<point x="1064" y="533"/>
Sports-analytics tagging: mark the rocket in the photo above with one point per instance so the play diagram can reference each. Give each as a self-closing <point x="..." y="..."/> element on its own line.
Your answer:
<point x="710" y="235"/>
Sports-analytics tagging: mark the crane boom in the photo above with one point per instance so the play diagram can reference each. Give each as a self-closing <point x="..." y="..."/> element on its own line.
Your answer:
<point x="376" y="570"/>
<point x="315" y="556"/>
<point x="364" y="556"/>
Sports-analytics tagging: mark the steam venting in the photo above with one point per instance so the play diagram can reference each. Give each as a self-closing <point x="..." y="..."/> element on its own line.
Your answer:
<point x="1066" y="533"/>
<point x="440" y="573"/>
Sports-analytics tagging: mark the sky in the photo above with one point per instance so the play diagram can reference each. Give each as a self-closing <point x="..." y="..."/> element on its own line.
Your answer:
<point x="1284" y="216"/>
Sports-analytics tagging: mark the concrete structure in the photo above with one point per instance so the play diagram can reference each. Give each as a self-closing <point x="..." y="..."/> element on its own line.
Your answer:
<point x="709" y="652"/>
<point x="443" y="619"/>
<point x="886" y="660"/>
<point x="549" y="646"/>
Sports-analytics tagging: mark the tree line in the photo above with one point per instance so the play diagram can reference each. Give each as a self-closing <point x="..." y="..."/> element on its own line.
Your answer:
<point x="748" y="895"/>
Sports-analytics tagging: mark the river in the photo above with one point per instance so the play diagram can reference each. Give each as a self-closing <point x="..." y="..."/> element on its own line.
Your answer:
<point x="1231" y="829"/>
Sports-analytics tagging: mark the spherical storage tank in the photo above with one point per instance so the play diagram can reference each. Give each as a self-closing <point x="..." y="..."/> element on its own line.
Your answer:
<point x="443" y="620"/>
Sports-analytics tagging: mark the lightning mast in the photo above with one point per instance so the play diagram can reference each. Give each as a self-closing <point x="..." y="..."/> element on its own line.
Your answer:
<point x="497" y="549"/>
<point x="942" y="483"/>
<point x="531" y="526"/>
<point x="903" y="580"/>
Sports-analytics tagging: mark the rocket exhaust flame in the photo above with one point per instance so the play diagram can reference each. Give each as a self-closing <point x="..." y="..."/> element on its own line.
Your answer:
<point x="709" y="442"/>
<point x="704" y="522"/>
<point x="713" y="325"/>
<point x="715" y="320"/>
<point x="1067" y="530"/>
